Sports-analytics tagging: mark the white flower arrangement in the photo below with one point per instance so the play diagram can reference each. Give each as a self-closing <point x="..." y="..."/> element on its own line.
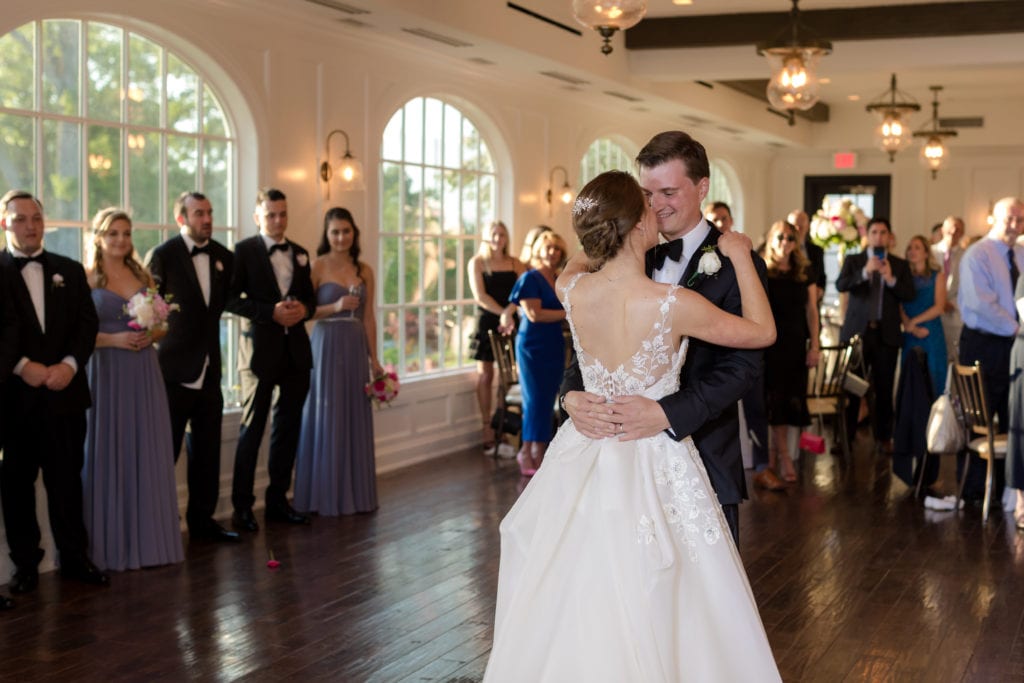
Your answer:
<point x="708" y="265"/>
<point x="149" y="311"/>
<point x="841" y="224"/>
<point x="302" y="260"/>
<point x="218" y="266"/>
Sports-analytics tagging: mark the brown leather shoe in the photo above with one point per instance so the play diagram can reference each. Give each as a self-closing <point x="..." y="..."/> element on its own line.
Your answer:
<point x="766" y="479"/>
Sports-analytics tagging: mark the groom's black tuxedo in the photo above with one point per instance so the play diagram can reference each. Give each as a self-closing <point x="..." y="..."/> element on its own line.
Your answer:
<point x="712" y="381"/>
<point x="269" y="356"/>
<point x="193" y="336"/>
<point x="46" y="429"/>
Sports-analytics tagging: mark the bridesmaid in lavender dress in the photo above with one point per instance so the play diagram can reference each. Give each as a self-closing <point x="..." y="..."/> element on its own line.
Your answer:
<point x="335" y="472"/>
<point x="130" y="497"/>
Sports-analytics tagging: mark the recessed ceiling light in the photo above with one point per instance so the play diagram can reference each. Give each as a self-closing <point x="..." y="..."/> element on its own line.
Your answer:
<point x="853" y="98"/>
<point x="682" y="2"/>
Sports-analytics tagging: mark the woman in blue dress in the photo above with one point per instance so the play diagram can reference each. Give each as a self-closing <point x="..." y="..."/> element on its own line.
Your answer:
<point x="335" y="466"/>
<point x="128" y="484"/>
<point x="540" y="346"/>
<point x="922" y="321"/>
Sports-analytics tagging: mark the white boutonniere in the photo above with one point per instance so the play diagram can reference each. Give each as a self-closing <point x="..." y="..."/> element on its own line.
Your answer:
<point x="58" y="280"/>
<point x="709" y="264"/>
<point x="218" y="266"/>
<point x="302" y="260"/>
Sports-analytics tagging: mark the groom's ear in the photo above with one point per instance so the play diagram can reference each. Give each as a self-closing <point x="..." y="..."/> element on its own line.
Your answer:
<point x="703" y="187"/>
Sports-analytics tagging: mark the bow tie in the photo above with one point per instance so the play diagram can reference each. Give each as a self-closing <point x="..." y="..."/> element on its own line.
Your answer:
<point x="200" y="250"/>
<point x="283" y="247"/>
<point x="672" y="250"/>
<point x="22" y="261"/>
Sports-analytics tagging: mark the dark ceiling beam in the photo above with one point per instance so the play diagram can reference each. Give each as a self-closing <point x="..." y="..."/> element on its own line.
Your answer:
<point x="858" y="23"/>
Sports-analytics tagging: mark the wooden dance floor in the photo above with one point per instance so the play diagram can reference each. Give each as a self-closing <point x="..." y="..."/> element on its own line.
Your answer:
<point x="855" y="581"/>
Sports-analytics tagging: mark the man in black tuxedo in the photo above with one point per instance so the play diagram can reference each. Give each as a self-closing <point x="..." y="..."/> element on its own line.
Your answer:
<point x="44" y="403"/>
<point x="195" y="271"/>
<point x="674" y="174"/>
<point x="271" y="289"/>
<point x="877" y="282"/>
<point x="9" y="334"/>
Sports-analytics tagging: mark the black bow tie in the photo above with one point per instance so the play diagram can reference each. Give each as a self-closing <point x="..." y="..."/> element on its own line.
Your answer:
<point x="672" y="250"/>
<point x="22" y="261"/>
<point x="283" y="247"/>
<point x="200" y="250"/>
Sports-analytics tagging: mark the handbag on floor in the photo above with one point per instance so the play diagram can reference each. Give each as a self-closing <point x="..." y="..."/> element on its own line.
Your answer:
<point x="945" y="432"/>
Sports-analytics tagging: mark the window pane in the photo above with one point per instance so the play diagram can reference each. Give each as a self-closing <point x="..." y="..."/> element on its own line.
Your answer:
<point x="104" y="72"/>
<point x="432" y="153"/>
<point x="217" y="179"/>
<point x="432" y="192"/>
<point x="389" y="269"/>
<point x="65" y="241"/>
<point x="431" y="269"/>
<point x="225" y="237"/>
<point x="214" y="121"/>
<point x="452" y="137"/>
<point x="391" y="148"/>
<point x="411" y="274"/>
<point x="104" y="167"/>
<point x="432" y="338"/>
<point x="17" y="140"/>
<point x="470" y="146"/>
<point x="182" y="96"/>
<point x="452" y="267"/>
<point x="414" y="131"/>
<point x="413" y="185"/>
<point x="144" y="176"/>
<point x="487" y="202"/>
<point x="62" y="168"/>
<point x="390" y="199"/>
<point x="468" y="249"/>
<point x="144" y="81"/>
<point x="450" y="341"/>
<point x="469" y="204"/>
<point x="182" y="158"/>
<point x="144" y="240"/>
<point x="411" y="341"/>
<point x="452" y="182"/>
<point x="61" y="77"/>
<point x="17" y="68"/>
<point x="389" y="338"/>
<point x="466" y="327"/>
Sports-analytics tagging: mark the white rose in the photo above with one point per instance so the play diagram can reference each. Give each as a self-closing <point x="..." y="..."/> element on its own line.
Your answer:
<point x="302" y="260"/>
<point x="709" y="263"/>
<point x="849" y="233"/>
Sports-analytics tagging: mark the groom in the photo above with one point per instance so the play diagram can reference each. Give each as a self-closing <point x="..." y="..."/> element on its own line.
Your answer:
<point x="674" y="175"/>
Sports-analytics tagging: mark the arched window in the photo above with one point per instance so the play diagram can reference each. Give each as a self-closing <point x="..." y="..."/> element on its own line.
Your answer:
<point x="723" y="187"/>
<point x="438" y="192"/>
<point x="94" y="115"/>
<point x="604" y="154"/>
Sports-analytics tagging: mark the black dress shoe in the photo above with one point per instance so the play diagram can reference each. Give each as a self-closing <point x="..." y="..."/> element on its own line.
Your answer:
<point x="283" y="512"/>
<point x="6" y="603"/>
<point x="211" y="531"/>
<point x="24" y="581"/>
<point x="243" y="520"/>
<point x="85" y="571"/>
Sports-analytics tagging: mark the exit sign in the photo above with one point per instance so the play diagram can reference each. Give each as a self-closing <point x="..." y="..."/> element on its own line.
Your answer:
<point x="844" y="160"/>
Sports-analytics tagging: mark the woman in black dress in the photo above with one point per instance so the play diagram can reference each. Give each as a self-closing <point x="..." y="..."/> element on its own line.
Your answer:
<point x="787" y="360"/>
<point x="492" y="273"/>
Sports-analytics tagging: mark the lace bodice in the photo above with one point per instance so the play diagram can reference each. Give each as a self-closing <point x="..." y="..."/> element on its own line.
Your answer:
<point x="652" y="372"/>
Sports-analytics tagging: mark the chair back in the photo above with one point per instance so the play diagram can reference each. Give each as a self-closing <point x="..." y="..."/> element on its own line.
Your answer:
<point x="970" y="390"/>
<point x="826" y="379"/>
<point x="504" y="349"/>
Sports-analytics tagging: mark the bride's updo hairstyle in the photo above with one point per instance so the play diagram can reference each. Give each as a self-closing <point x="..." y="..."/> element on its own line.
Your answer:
<point x="606" y="209"/>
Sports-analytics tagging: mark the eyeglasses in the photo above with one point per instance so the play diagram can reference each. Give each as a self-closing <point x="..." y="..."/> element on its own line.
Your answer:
<point x="784" y="238"/>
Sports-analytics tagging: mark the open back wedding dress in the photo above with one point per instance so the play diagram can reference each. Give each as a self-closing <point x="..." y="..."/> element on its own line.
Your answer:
<point x="616" y="561"/>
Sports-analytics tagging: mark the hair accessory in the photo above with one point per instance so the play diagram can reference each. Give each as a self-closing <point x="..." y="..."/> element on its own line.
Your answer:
<point x="582" y="205"/>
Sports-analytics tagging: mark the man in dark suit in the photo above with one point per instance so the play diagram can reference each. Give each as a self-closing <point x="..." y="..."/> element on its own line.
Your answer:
<point x="9" y="334"/>
<point x="44" y="403"/>
<point x="877" y="282"/>
<point x="674" y="174"/>
<point x="271" y="289"/>
<point x="195" y="271"/>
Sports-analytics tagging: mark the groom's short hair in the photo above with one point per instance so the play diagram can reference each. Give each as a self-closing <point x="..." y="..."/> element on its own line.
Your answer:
<point x="675" y="144"/>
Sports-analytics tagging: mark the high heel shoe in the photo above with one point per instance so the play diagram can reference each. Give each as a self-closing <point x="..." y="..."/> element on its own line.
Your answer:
<point x="788" y="471"/>
<point x="523" y="469"/>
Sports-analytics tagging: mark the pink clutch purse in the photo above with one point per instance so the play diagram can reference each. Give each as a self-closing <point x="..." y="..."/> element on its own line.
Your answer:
<point x="812" y="442"/>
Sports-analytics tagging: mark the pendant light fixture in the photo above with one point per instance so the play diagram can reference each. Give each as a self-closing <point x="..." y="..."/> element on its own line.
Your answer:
<point x="608" y="16"/>
<point x="894" y="107"/>
<point x="935" y="154"/>
<point x="794" y="55"/>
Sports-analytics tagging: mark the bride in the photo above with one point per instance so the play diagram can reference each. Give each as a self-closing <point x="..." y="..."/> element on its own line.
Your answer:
<point x="616" y="561"/>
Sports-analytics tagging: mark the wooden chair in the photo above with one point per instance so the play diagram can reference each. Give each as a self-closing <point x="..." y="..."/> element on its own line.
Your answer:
<point x="510" y="394"/>
<point x="986" y="442"/>
<point x="826" y="394"/>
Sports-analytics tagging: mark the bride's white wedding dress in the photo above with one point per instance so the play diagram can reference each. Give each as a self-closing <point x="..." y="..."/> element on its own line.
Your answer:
<point x="616" y="561"/>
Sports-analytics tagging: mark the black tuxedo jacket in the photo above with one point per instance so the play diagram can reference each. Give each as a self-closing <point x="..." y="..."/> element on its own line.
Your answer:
<point x="266" y="348"/>
<point x="194" y="331"/>
<point x="9" y="331"/>
<point x="858" y="308"/>
<point x="712" y="381"/>
<point x="71" y="326"/>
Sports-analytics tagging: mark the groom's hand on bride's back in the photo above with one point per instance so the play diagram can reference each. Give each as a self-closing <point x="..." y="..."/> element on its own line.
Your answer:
<point x="591" y="415"/>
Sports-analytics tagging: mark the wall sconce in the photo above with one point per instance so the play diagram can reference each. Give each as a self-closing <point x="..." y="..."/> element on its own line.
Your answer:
<point x="564" y="195"/>
<point x="349" y="168"/>
<point x="608" y="16"/>
<point x="793" y="55"/>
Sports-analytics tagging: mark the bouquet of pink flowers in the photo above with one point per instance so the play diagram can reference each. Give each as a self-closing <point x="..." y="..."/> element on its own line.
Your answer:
<point x="149" y="311"/>
<point x="383" y="389"/>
